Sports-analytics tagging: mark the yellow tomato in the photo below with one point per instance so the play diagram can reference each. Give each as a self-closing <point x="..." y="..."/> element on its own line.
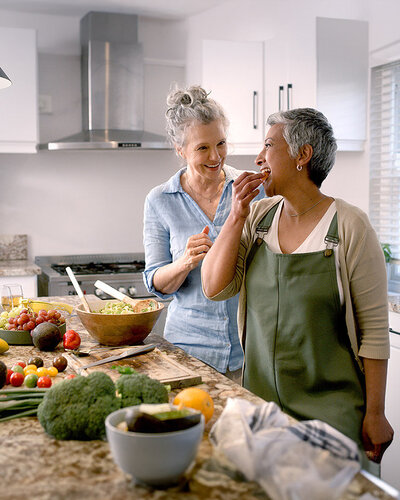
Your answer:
<point x="28" y="372"/>
<point x="52" y="371"/>
<point x="42" y="371"/>
<point x="30" y="368"/>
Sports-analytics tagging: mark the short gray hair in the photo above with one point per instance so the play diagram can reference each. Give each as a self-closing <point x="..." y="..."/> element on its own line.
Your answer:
<point x="308" y="126"/>
<point x="186" y="106"/>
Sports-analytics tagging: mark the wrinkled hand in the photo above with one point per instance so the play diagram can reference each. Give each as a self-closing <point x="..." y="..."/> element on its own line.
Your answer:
<point x="244" y="191"/>
<point x="377" y="434"/>
<point x="196" y="249"/>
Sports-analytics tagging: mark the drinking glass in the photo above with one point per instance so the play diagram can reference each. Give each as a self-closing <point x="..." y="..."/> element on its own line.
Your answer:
<point x="11" y="296"/>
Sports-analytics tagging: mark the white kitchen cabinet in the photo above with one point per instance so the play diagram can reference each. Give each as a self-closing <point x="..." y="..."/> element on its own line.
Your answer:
<point x="233" y="73"/>
<point x="19" y="102"/>
<point x="289" y="73"/>
<point x="342" y="79"/>
<point x="391" y="458"/>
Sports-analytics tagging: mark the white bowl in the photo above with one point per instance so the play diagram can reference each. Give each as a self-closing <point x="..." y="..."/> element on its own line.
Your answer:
<point x="154" y="459"/>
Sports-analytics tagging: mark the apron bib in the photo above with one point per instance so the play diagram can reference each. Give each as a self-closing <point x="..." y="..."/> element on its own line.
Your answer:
<point x="297" y="351"/>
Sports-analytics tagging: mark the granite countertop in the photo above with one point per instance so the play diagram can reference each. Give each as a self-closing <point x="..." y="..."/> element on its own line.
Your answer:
<point x="18" y="268"/>
<point x="35" y="466"/>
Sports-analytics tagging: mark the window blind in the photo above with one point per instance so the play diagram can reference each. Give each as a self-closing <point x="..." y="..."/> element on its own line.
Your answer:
<point x="384" y="209"/>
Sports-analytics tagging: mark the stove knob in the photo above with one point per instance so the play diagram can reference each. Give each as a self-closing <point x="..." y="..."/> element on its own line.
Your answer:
<point x="100" y="294"/>
<point x="122" y="290"/>
<point x="132" y="291"/>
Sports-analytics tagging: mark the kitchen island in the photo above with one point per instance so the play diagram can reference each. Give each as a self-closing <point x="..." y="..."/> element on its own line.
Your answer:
<point x="35" y="466"/>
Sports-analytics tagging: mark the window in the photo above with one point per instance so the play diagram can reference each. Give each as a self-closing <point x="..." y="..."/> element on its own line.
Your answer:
<point x="384" y="209"/>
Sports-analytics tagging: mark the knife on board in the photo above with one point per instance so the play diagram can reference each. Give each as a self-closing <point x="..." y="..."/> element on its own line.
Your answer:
<point x="129" y="352"/>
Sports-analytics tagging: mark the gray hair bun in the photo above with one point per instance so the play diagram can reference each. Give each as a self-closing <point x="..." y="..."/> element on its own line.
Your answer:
<point x="186" y="98"/>
<point x="186" y="106"/>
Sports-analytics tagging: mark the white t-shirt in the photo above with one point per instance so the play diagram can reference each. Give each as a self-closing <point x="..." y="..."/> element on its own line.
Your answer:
<point x="313" y="243"/>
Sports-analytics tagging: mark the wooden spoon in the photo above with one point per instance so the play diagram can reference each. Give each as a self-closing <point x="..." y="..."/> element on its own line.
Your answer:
<point x="78" y="289"/>
<point x="136" y="304"/>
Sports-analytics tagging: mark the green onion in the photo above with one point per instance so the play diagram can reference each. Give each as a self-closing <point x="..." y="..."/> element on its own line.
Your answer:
<point x="17" y="403"/>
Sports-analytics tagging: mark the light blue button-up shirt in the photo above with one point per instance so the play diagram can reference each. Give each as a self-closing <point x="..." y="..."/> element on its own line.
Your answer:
<point x="203" y="328"/>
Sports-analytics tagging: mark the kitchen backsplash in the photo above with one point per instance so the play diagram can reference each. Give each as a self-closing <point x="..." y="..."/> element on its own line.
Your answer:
<point x="13" y="247"/>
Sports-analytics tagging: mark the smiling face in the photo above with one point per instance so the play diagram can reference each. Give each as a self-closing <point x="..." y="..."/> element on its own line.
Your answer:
<point x="205" y="148"/>
<point x="275" y="161"/>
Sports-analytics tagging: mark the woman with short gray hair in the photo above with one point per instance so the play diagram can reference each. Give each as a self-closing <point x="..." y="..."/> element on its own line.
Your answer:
<point x="182" y="218"/>
<point x="313" y="308"/>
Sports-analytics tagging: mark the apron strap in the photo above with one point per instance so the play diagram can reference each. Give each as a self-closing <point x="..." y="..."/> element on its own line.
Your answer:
<point x="332" y="237"/>
<point x="261" y="229"/>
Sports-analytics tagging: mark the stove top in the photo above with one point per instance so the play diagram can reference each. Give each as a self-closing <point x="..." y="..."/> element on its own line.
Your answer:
<point x="135" y="266"/>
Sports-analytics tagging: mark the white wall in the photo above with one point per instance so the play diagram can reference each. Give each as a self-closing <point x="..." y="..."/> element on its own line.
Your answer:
<point x="82" y="202"/>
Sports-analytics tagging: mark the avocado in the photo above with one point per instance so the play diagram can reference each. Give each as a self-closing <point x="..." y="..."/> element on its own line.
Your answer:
<point x="46" y="336"/>
<point x="3" y="374"/>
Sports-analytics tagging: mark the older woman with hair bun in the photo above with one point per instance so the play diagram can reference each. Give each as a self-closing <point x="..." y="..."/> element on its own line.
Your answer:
<point x="182" y="218"/>
<point x="313" y="309"/>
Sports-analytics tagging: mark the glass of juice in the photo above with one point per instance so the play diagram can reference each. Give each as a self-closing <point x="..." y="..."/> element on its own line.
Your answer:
<point x="11" y="296"/>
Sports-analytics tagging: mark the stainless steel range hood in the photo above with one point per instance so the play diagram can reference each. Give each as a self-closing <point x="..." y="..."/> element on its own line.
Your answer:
<point x="112" y="87"/>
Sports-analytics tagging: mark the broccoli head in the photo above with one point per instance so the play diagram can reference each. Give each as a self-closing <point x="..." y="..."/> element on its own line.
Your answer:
<point x="138" y="388"/>
<point x="77" y="408"/>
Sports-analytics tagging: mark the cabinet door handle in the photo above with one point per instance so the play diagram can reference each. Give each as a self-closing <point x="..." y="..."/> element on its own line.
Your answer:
<point x="393" y="331"/>
<point x="289" y="95"/>
<point x="255" y="109"/>
<point x="281" y="89"/>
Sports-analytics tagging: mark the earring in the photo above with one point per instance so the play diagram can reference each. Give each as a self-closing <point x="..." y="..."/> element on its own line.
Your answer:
<point x="299" y="167"/>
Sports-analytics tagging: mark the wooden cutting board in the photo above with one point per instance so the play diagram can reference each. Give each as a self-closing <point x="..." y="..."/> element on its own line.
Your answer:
<point x="155" y="364"/>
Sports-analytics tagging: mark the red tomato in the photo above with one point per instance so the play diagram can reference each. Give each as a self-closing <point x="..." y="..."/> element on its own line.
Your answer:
<point x="9" y="373"/>
<point x="21" y="363"/>
<point x="71" y="340"/>
<point x="16" y="379"/>
<point x="44" y="382"/>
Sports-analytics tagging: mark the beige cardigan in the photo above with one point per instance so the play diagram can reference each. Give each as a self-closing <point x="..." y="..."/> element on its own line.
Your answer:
<point x="363" y="273"/>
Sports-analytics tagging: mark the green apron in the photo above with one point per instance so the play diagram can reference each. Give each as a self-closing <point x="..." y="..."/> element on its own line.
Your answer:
<point x="297" y="351"/>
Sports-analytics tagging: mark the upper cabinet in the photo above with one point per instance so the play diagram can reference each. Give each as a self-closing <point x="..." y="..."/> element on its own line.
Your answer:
<point x="19" y="102"/>
<point x="234" y="73"/>
<point x="342" y="79"/>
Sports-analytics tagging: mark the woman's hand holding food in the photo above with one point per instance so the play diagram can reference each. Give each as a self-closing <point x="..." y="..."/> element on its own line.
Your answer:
<point x="244" y="191"/>
<point x="169" y="278"/>
<point x="196" y="249"/>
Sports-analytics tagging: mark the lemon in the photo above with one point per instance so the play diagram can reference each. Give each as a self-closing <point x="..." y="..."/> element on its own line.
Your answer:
<point x="3" y="346"/>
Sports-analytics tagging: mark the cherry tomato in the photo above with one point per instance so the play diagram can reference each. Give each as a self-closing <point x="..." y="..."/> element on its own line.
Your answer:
<point x="21" y="363"/>
<point x="71" y="375"/>
<point x="9" y="373"/>
<point x="42" y="371"/>
<point x="60" y="363"/>
<point x="36" y="361"/>
<point x="52" y="371"/>
<point x="17" y="368"/>
<point x="31" y="380"/>
<point x="30" y="367"/>
<point x="17" y="379"/>
<point x="44" y="382"/>
<point x="71" y="340"/>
